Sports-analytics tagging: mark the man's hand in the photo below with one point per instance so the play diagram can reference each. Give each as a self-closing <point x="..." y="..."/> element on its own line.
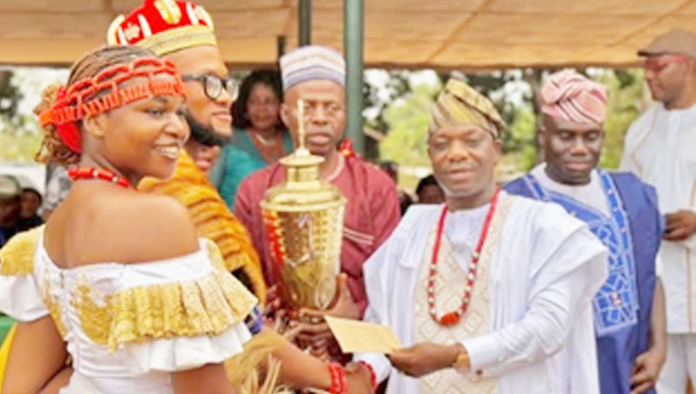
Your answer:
<point x="273" y="302"/>
<point x="646" y="370"/>
<point x="680" y="225"/>
<point x="424" y="358"/>
<point x="274" y="315"/>
<point x="343" y="305"/>
<point x="313" y="329"/>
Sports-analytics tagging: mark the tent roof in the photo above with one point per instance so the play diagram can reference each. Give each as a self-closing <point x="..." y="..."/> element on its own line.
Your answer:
<point x="463" y="34"/>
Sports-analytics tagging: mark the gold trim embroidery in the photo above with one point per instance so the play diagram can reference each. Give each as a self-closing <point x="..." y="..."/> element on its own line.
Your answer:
<point x="206" y="306"/>
<point x="52" y="304"/>
<point x="169" y="11"/>
<point x="17" y="256"/>
<point x="215" y="255"/>
<point x="179" y="38"/>
<point x="93" y="310"/>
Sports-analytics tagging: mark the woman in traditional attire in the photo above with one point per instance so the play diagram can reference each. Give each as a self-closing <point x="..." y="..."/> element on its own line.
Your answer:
<point x="259" y="138"/>
<point x="121" y="277"/>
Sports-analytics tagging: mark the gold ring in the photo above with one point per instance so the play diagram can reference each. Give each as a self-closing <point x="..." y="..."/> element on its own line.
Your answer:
<point x="312" y="319"/>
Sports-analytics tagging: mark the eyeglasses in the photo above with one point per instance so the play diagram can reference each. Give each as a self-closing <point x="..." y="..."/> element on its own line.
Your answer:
<point x="657" y="64"/>
<point x="214" y="85"/>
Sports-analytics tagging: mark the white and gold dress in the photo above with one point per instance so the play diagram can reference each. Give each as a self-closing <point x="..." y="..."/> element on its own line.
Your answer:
<point x="128" y="327"/>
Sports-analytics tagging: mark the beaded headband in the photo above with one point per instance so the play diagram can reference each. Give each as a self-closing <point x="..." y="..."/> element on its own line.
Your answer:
<point x="73" y="104"/>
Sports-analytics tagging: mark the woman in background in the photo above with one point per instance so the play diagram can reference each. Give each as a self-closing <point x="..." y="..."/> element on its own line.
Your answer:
<point x="259" y="138"/>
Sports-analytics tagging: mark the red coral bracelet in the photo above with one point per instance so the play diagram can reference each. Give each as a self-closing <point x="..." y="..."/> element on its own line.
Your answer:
<point x="373" y="375"/>
<point x="339" y="381"/>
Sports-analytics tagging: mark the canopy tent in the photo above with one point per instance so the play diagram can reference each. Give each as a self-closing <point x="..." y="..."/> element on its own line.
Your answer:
<point x="445" y="34"/>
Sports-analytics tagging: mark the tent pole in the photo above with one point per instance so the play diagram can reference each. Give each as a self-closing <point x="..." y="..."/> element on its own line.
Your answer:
<point x="305" y="22"/>
<point x="353" y="47"/>
<point x="281" y="46"/>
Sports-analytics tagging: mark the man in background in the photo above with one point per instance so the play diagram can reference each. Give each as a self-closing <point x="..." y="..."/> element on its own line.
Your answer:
<point x="57" y="187"/>
<point x="659" y="149"/>
<point x="9" y="208"/>
<point x="429" y="191"/>
<point x="316" y="75"/>
<point x="392" y="169"/>
<point x="183" y="33"/>
<point x="629" y="311"/>
<point x="29" y="201"/>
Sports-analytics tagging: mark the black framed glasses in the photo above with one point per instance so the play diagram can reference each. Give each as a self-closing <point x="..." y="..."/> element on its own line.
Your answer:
<point x="213" y="85"/>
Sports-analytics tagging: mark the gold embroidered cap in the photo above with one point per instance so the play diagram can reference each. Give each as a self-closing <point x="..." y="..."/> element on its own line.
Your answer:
<point x="460" y="104"/>
<point x="164" y="26"/>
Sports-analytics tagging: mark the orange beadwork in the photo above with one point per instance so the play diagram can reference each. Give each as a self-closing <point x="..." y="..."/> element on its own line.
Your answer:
<point x="76" y="173"/>
<point x="453" y="318"/>
<point x="74" y="104"/>
<point x="346" y="148"/>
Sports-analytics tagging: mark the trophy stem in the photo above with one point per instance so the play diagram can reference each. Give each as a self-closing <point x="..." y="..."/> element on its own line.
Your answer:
<point x="301" y="131"/>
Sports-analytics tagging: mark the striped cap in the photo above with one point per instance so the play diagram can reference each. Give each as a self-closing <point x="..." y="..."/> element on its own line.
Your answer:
<point x="312" y="62"/>
<point x="571" y="96"/>
<point x="460" y="104"/>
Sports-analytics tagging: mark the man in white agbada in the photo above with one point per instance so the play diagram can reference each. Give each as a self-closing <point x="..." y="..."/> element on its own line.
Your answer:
<point x="489" y="293"/>
<point x="660" y="148"/>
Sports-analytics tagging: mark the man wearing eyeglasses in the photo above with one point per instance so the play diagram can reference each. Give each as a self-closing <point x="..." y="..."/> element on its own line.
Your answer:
<point x="207" y="138"/>
<point x="183" y="33"/>
<point x="659" y="148"/>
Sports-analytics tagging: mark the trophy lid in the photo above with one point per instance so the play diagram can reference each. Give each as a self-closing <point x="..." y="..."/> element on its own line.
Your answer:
<point x="303" y="189"/>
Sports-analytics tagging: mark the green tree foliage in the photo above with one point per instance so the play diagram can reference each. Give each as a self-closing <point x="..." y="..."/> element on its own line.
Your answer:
<point x="9" y="95"/>
<point x="407" y="119"/>
<point x="19" y="139"/>
<point x="625" y="90"/>
<point x="19" y="133"/>
<point x="521" y="135"/>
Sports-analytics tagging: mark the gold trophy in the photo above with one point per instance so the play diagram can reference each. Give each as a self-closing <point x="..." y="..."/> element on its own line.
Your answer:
<point x="304" y="226"/>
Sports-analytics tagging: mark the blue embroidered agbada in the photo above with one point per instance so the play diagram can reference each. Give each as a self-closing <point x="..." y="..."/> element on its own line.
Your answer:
<point x="632" y="233"/>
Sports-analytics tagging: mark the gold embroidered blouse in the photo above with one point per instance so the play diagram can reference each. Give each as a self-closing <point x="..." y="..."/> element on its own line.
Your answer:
<point x="130" y="320"/>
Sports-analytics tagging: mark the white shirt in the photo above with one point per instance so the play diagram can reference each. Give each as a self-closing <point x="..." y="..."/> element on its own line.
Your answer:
<point x="462" y="230"/>
<point x="659" y="149"/>
<point x="591" y="194"/>
<point x="544" y="272"/>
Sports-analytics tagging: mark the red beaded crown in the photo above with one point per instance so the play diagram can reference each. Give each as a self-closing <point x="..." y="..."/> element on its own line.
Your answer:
<point x="164" y="26"/>
<point x="102" y="93"/>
